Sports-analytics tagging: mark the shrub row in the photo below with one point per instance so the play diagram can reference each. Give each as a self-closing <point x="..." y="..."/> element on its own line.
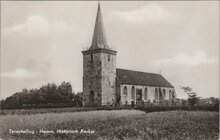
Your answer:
<point x="186" y="108"/>
<point x="79" y="109"/>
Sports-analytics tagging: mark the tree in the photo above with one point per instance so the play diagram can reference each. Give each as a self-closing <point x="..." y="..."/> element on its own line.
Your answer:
<point x="65" y="91"/>
<point x="192" y="96"/>
<point x="78" y="99"/>
<point x="57" y="95"/>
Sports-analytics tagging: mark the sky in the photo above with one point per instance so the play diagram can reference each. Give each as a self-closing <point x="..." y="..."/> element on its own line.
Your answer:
<point x="41" y="42"/>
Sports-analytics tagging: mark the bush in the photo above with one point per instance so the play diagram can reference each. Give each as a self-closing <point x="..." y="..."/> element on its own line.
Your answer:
<point x="186" y="108"/>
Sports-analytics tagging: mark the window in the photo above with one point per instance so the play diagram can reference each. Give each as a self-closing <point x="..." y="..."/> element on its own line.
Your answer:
<point x="160" y="94"/>
<point x="173" y="95"/>
<point x="145" y="93"/>
<point x="133" y="93"/>
<point x="170" y="95"/>
<point x="91" y="57"/>
<point x="164" y="93"/>
<point x="125" y="91"/>
<point x="108" y="57"/>
<point x="156" y="94"/>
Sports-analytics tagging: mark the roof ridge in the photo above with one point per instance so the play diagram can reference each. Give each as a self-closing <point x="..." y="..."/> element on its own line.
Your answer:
<point x="139" y="71"/>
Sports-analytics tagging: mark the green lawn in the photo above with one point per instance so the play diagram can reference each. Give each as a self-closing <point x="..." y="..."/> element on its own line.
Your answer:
<point x="115" y="124"/>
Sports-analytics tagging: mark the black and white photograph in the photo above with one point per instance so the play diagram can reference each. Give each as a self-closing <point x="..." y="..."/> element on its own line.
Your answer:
<point x="109" y="70"/>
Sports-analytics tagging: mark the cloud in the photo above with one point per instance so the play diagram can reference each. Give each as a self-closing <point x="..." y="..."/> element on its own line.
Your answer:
<point x="148" y="13"/>
<point x="20" y="73"/>
<point x="197" y="58"/>
<point x="33" y="26"/>
<point x="37" y="26"/>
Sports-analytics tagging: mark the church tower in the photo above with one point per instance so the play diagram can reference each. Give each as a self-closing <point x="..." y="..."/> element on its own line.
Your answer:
<point x="99" y="69"/>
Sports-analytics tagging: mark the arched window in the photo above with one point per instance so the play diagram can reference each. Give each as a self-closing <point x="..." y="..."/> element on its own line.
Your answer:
<point x="170" y="95"/>
<point x="91" y="96"/>
<point x="156" y="94"/>
<point x="160" y="94"/>
<point x="146" y="93"/>
<point x="133" y="93"/>
<point x="164" y="93"/>
<point x="125" y="91"/>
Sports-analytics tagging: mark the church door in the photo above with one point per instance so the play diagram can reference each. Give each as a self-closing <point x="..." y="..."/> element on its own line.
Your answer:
<point x="139" y="94"/>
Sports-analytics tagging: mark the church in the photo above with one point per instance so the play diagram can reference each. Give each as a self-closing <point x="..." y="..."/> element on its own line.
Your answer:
<point x="104" y="84"/>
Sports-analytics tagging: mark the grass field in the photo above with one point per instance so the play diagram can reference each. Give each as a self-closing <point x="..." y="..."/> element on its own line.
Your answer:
<point x="114" y="124"/>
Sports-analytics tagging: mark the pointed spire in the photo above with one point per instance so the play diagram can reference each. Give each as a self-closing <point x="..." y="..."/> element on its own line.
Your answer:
<point x="99" y="39"/>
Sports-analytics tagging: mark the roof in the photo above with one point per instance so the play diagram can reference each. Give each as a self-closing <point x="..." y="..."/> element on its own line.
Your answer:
<point x="141" y="78"/>
<point x="99" y="39"/>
